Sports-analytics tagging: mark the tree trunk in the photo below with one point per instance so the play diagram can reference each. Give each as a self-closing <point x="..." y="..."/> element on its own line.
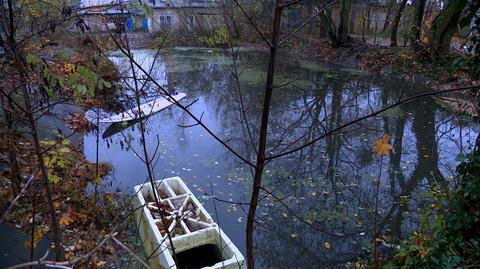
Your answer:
<point x="343" y="29"/>
<point x="257" y="180"/>
<point x="396" y="23"/>
<point x="444" y="26"/>
<point x="388" y="15"/>
<point x="15" y="178"/>
<point x="19" y="64"/>
<point x="417" y="24"/>
<point x="325" y="21"/>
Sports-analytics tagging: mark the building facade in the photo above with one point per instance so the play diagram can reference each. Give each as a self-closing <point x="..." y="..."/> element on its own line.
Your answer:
<point x="184" y="15"/>
<point x="153" y="15"/>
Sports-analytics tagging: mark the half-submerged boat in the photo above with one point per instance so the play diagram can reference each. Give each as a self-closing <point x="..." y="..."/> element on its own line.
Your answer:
<point x="198" y="241"/>
<point x="146" y="109"/>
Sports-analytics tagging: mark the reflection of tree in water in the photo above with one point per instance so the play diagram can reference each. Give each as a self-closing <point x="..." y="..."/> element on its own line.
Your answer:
<point x="426" y="170"/>
<point x="328" y="184"/>
<point x="333" y="187"/>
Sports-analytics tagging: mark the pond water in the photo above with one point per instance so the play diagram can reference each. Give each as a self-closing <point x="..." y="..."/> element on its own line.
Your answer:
<point x="330" y="185"/>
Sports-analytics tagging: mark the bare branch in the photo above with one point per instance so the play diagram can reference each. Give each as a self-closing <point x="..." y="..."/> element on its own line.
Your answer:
<point x="253" y="24"/>
<point x="313" y="141"/>
<point x="306" y="22"/>
<point x="130" y="251"/>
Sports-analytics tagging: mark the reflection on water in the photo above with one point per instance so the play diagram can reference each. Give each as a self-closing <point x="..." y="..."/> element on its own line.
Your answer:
<point x="330" y="185"/>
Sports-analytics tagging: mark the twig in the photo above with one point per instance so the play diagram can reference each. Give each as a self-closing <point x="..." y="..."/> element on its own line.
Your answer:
<point x="315" y="140"/>
<point x="17" y="197"/>
<point x="130" y="251"/>
<point x="253" y="24"/>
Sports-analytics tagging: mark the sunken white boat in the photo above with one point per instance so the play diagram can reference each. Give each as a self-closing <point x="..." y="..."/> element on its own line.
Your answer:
<point x="198" y="241"/>
<point x="146" y="109"/>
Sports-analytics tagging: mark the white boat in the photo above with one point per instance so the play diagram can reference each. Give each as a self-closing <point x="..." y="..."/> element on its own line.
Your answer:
<point x="146" y="109"/>
<point x="191" y="227"/>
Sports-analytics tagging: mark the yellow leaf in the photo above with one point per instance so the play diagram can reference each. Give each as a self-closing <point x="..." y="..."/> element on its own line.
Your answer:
<point x="382" y="147"/>
<point x="66" y="219"/>
<point x="358" y="265"/>
<point x="327" y="245"/>
<point x="314" y="193"/>
<point x="37" y="235"/>
<point x="69" y="256"/>
<point x="98" y="180"/>
<point x="285" y="215"/>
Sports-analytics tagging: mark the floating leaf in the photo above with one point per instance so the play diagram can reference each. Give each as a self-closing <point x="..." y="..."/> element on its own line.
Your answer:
<point x="37" y="235"/>
<point x="382" y="147"/>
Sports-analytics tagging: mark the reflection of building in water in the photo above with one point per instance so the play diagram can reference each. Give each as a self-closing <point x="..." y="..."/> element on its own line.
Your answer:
<point x="155" y="67"/>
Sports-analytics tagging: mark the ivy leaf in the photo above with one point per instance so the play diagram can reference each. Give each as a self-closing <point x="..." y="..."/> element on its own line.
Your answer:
<point x="104" y="84"/>
<point x="32" y="59"/>
<point x="48" y="90"/>
<point x="64" y="150"/>
<point x="465" y="21"/>
<point x="54" y="179"/>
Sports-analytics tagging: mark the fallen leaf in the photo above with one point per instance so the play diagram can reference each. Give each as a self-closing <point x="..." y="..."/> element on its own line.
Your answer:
<point x="66" y="219"/>
<point x="382" y="147"/>
<point x="100" y="264"/>
<point x="37" y="235"/>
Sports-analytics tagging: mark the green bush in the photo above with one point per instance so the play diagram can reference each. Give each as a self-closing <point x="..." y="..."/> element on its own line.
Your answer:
<point x="218" y="39"/>
<point x="455" y="242"/>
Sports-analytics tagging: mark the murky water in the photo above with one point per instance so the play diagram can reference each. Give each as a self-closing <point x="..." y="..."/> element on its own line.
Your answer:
<point x="330" y="186"/>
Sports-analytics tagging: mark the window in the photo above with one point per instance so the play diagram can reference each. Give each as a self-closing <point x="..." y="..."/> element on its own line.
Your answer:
<point x="168" y="22"/>
<point x="191" y="21"/>
<point x="165" y="21"/>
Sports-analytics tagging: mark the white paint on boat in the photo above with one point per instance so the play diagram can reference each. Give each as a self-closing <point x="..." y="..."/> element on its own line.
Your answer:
<point x="191" y="225"/>
<point x="146" y="109"/>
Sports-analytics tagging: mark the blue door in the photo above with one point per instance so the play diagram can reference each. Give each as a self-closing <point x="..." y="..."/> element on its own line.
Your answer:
<point x="145" y="24"/>
<point x="130" y="24"/>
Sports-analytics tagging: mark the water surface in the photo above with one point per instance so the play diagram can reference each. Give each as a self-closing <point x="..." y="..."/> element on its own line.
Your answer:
<point x="329" y="187"/>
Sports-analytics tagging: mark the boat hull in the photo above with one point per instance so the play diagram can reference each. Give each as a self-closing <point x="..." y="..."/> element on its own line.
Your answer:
<point x="146" y="110"/>
<point x="190" y="232"/>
